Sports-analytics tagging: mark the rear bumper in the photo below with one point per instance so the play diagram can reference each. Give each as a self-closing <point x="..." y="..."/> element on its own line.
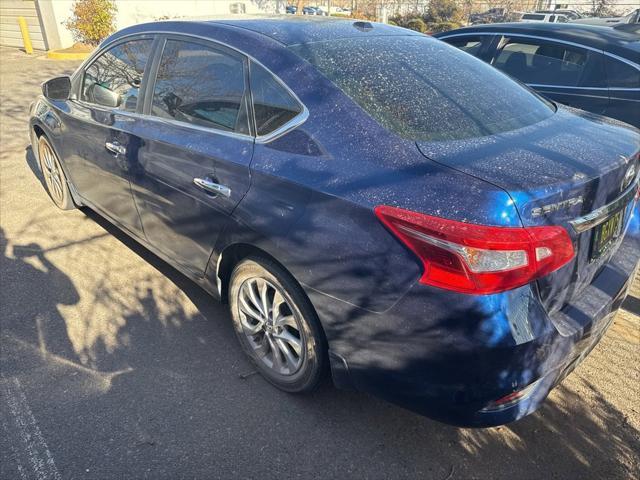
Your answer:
<point x="448" y="356"/>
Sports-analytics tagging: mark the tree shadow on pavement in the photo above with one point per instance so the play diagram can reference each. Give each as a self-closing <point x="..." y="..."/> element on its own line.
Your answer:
<point x="172" y="383"/>
<point x="144" y="384"/>
<point x="180" y="403"/>
<point x="33" y="287"/>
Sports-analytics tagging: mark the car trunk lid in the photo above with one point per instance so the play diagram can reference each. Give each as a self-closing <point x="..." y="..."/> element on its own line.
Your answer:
<point x="572" y="169"/>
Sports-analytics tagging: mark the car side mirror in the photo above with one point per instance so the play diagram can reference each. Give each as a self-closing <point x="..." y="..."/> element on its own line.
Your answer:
<point x="58" y="88"/>
<point x="103" y="96"/>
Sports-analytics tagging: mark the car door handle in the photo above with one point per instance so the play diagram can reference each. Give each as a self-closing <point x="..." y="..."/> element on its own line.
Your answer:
<point x="115" y="147"/>
<point x="210" y="186"/>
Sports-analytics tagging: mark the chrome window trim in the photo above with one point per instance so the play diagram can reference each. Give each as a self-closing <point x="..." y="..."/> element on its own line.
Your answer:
<point x="623" y="60"/>
<point x="166" y="121"/>
<point x="190" y="126"/>
<point x="548" y="39"/>
<point x="103" y="48"/>
<point x="599" y="215"/>
<point x="296" y="121"/>
<point x="619" y="89"/>
<point x="277" y="133"/>
<point x="287" y="127"/>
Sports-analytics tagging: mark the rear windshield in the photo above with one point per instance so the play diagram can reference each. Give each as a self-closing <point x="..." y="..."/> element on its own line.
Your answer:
<point x="423" y="89"/>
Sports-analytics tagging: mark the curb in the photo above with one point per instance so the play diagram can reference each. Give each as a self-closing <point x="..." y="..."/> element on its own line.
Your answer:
<point x="58" y="55"/>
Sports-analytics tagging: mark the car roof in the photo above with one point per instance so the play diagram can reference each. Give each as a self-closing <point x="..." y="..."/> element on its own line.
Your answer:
<point x="297" y="29"/>
<point x="609" y="39"/>
<point x="287" y="29"/>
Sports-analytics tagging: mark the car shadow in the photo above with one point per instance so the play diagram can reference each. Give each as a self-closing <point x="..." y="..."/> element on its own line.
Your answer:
<point x="178" y="377"/>
<point x="32" y="163"/>
<point x="158" y="388"/>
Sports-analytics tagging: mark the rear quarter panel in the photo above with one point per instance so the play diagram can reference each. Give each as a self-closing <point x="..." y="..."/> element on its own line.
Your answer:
<point x="314" y="189"/>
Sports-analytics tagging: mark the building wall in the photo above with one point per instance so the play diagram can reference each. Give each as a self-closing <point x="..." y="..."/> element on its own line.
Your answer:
<point x="10" y="35"/>
<point x="131" y="12"/>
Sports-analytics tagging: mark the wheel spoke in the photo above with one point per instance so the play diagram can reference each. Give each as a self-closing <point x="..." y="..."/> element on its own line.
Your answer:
<point x="56" y="181"/>
<point x="261" y="347"/>
<point x="254" y="297"/>
<point x="54" y="188"/>
<point x="278" y="300"/>
<point x="276" y="355"/>
<point x="286" y="337"/>
<point x="286" y="320"/>
<point x="251" y="329"/>
<point x="248" y="309"/>
<point x="47" y="159"/>
<point x="291" y="360"/>
<point x="59" y="189"/>
<point x="264" y="298"/>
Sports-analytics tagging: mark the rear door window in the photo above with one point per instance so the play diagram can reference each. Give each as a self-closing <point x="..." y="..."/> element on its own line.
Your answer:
<point x="622" y="75"/>
<point x="201" y="85"/>
<point x="470" y="44"/>
<point x="542" y="62"/>
<point x="114" y="78"/>
<point x="273" y="104"/>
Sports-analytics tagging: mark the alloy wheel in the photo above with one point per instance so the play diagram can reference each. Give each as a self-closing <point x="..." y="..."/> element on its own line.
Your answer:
<point x="270" y="326"/>
<point x="52" y="173"/>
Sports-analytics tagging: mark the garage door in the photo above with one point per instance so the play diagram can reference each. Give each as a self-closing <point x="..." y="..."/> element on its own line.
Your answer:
<point x="10" y="35"/>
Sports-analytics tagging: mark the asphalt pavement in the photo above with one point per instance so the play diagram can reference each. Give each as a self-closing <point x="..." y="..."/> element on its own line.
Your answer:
<point x="114" y="365"/>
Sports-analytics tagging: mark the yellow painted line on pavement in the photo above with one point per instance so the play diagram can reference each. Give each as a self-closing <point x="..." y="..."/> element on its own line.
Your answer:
<point x="58" y="55"/>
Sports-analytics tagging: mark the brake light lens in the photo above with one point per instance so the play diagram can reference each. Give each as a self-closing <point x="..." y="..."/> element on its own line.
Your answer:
<point x="511" y="399"/>
<point x="479" y="259"/>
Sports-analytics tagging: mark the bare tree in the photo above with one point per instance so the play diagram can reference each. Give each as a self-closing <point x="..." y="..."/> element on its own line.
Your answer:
<point x="601" y="8"/>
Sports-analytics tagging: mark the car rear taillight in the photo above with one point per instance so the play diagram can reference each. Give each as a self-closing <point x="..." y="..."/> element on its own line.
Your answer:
<point x="510" y="399"/>
<point x="480" y="259"/>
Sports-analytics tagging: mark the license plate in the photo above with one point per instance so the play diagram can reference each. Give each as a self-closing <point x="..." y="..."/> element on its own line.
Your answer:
<point x="606" y="234"/>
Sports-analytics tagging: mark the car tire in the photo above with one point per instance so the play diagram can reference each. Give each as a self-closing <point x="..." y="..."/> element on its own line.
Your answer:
<point x="277" y="325"/>
<point x="55" y="180"/>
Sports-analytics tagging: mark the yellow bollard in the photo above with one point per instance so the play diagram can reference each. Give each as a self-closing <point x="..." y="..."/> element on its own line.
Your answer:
<point x="25" y="35"/>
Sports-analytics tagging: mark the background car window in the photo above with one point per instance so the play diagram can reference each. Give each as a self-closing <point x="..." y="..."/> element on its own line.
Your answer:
<point x="622" y="75"/>
<point x="543" y="63"/>
<point x="273" y="105"/>
<point x="423" y="89"/>
<point x="532" y="16"/>
<point x="113" y="79"/>
<point x="201" y="85"/>
<point x="471" y="45"/>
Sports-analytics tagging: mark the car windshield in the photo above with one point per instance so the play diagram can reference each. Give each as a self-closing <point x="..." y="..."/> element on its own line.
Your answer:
<point x="425" y="90"/>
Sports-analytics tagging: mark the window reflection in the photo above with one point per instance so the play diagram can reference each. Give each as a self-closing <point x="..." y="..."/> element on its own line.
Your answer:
<point x="423" y="89"/>
<point x="273" y="104"/>
<point x="114" y="78"/>
<point x="543" y="63"/>
<point x="201" y="86"/>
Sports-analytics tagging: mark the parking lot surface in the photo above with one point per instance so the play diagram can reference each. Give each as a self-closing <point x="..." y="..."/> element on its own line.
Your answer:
<point x="114" y="365"/>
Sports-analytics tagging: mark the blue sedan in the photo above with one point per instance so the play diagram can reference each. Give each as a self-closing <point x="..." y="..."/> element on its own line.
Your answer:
<point x="372" y="203"/>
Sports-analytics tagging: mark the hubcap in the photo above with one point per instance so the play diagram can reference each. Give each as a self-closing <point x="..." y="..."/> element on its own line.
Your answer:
<point x="51" y="172"/>
<point x="270" y="326"/>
